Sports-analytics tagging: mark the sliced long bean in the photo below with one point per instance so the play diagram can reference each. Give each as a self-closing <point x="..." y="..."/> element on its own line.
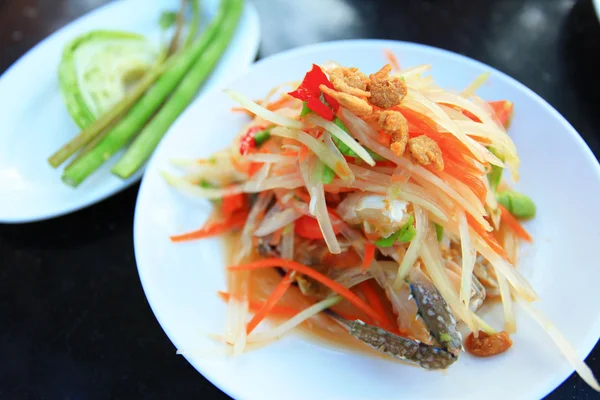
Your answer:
<point x="146" y="142"/>
<point x="147" y="105"/>
<point x="102" y="123"/>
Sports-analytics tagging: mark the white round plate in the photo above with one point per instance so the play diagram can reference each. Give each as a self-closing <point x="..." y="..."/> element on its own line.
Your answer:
<point x="597" y="7"/>
<point x="558" y="171"/>
<point x="35" y="121"/>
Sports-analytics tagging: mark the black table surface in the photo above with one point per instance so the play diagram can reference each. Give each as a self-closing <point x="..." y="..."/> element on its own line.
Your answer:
<point x="74" y="321"/>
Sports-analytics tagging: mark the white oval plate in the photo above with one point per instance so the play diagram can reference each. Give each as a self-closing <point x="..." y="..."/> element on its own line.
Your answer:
<point x="35" y="121"/>
<point x="558" y="171"/>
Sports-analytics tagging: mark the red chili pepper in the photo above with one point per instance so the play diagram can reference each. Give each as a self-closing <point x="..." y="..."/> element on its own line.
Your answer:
<point x="309" y="228"/>
<point x="309" y="91"/>
<point x="234" y="203"/>
<point x="247" y="141"/>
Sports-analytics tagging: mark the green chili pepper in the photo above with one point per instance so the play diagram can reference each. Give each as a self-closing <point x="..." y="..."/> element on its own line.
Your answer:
<point x="347" y="151"/>
<point x="439" y="232"/>
<point x="328" y="175"/>
<point x="495" y="175"/>
<point x="518" y="204"/>
<point x="405" y="234"/>
<point x="408" y="235"/>
<point x="305" y="109"/>
<point x="207" y="185"/>
<point x="261" y="136"/>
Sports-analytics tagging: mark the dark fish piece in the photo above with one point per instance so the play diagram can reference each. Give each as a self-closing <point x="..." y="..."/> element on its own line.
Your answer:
<point x="424" y="355"/>
<point x="435" y="312"/>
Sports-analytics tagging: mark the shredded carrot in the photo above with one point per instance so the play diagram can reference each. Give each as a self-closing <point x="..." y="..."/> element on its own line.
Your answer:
<point x="239" y="166"/>
<point x="384" y="138"/>
<point x="302" y="195"/>
<point x="392" y="59"/>
<point x="242" y="110"/>
<point x="284" y="170"/>
<point x="369" y="256"/>
<point x="237" y="220"/>
<point x="337" y="189"/>
<point x="374" y="301"/>
<point x="514" y="224"/>
<point x="288" y="153"/>
<point x="305" y="270"/>
<point x="303" y="153"/>
<point x="254" y="167"/>
<point x="233" y="203"/>
<point x="397" y="178"/>
<point x="279" y="103"/>
<point x="488" y="237"/>
<point x="273" y="298"/>
<point x="475" y="183"/>
<point x="254" y="306"/>
<point x="284" y="311"/>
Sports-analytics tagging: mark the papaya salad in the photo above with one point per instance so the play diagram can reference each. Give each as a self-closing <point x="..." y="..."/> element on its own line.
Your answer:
<point x="371" y="206"/>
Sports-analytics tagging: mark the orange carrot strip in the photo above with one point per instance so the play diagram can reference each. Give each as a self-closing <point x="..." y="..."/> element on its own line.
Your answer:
<point x="277" y="104"/>
<point x="242" y="110"/>
<point x="254" y="167"/>
<point x="384" y="138"/>
<point x="288" y="153"/>
<point x="237" y="220"/>
<point x="233" y="203"/>
<point x="305" y="270"/>
<point x="273" y="298"/>
<point x="369" y="256"/>
<point x="239" y="166"/>
<point x="514" y="224"/>
<point x="303" y="153"/>
<point x="488" y="237"/>
<point x="374" y="301"/>
<point x="254" y="306"/>
<point x="302" y="195"/>
<point x="283" y="311"/>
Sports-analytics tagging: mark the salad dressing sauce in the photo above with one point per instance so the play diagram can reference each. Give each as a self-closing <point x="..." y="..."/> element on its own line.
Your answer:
<point x="321" y="330"/>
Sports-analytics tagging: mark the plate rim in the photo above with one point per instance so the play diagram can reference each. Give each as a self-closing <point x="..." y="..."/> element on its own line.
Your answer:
<point x="225" y="386"/>
<point x="250" y="12"/>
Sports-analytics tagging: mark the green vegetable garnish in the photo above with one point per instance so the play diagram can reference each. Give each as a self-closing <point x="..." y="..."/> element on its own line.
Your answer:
<point x="305" y="109"/>
<point x="518" y="204"/>
<point x="196" y="63"/>
<point x="97" y="69"/>
<point x="262" y="136"/>
<point x="167" y="19"/>
<point x="495" y="175"/>
<point x="439" y="232"/>
<point x="347" y="151"/>
<point x="328" y="175"/>
<point x="207" y="185"/>
<point x="153" y="113"/>
<point x="404" y="235"/>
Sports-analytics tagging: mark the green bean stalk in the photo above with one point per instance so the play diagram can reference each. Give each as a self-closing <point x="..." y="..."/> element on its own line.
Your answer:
<point x="179" y="64"/>
<point x="143" y="146"/>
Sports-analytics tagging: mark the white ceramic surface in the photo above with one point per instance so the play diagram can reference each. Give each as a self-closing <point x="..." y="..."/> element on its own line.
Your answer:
<point x="597" y="7"/>
<point x="180" y="280"/>
<point x="35" y="122"/>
